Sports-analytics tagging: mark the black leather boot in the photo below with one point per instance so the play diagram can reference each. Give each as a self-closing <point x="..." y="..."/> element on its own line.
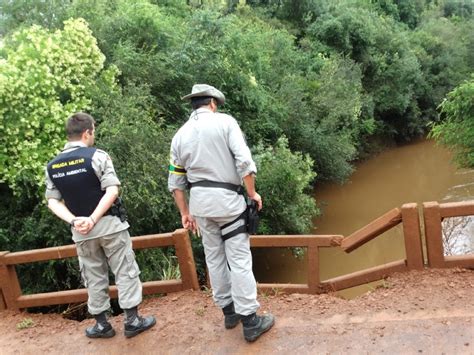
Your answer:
<point x="231" y="319"/>
<point x="101" y="329"/>
<point x="254" y="325"/>
<point x="134" y="324"/>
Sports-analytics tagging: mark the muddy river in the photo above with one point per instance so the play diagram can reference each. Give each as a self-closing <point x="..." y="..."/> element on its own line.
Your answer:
<point x="418" y="172"/>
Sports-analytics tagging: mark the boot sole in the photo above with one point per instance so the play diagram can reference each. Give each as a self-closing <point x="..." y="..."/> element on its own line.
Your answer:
<point x="108" y="334"/>
<point x="251" y="339"/>
<point x="132" y="333"/>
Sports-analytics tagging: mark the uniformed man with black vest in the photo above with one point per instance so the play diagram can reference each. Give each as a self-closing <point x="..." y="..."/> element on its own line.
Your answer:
<point x="209" y="154"/>
<point x="82" y="189"/>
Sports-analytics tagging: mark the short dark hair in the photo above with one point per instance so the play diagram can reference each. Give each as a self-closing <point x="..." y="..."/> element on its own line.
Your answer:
<point x="78" y="123"/>
<point x="200" y="101"/>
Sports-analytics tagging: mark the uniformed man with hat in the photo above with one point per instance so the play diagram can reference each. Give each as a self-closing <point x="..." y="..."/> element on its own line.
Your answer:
<point x="209" y="154"/>
<point x="82" y="189"/>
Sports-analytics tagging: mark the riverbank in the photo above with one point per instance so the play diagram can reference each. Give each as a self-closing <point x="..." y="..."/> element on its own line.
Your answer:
<point x="428" y="311"/>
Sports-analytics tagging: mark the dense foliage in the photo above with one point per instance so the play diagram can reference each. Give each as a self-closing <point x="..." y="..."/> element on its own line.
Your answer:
<point x="313" y="83"/>
<point x="44" y="76"/>
<point x="457" y="127"/>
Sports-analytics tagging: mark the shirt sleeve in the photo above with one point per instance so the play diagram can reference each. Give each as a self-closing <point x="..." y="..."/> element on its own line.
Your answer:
<point x="177" y="179"/>
<point x="104" y="169"/>
<point x="51" y="190"/>
<point x="243" y="158"/>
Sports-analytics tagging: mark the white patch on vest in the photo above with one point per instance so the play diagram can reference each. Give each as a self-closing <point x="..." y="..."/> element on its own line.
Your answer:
<point x="77" y="171"/>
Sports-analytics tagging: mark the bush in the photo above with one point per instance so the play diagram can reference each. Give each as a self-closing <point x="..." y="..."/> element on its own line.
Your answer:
<point x="457" y="127"/>
<point x="284" y="182"/>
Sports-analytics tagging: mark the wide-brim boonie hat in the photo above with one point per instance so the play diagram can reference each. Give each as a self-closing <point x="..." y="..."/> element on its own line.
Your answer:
<point x="202" y="90"/>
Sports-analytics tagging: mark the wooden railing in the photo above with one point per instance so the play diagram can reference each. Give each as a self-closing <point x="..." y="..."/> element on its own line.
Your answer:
<point x="411" y="227"/>
<point x="11" y="296"/>
<point x="433" y="213"/>
<point x="312" y="243"/>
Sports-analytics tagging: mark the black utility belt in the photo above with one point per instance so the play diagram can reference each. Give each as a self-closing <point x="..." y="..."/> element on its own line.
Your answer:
<point x="249" y="216"/>
<point x="223" y="185"/>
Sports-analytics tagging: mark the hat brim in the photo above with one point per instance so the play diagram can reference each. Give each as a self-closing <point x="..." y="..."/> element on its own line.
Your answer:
<point x="220" y="100"/>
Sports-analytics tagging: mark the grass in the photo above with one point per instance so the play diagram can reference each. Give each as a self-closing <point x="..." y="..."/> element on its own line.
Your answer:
<point x="200" y="311"/>
<point x="25" y="323"/>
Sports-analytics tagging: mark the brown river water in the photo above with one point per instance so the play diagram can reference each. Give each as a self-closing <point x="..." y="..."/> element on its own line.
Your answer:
<point x="417" y="172"/>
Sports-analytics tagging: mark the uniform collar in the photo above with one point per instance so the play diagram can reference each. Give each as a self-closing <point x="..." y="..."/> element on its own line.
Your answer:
<point x="75" y="144"/>
<point x="200" y="110"/>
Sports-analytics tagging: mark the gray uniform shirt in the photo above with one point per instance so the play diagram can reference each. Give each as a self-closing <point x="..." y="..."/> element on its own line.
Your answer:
<point x="104" y="169"/>
<point x="210" y="146"/>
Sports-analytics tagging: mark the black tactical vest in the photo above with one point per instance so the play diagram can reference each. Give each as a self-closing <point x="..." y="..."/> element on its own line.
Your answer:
<point x="74" y="177"/>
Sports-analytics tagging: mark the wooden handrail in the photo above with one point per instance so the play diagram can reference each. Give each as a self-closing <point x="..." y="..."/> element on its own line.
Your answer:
<point x="10" y="290"/>
<point x="372" y="230"/>
<point x="457" y="209"/>
<point x="276" y="241"/>
<point x="433" y="214"/>
<point x="68" y="251"/>
<point x="364" y="276"/>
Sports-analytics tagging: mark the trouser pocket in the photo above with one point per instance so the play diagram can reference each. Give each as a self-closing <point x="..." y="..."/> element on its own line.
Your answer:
<point x="82" y="252"/>
<point x="132" y="267"/>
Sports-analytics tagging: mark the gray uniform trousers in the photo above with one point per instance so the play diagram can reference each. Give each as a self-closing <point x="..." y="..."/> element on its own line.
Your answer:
<point x="95" y="256"/>
<point x="230" y="265"/>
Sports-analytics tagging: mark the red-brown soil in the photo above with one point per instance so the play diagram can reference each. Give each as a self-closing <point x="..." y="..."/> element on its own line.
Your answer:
<point x="430" y="311"/>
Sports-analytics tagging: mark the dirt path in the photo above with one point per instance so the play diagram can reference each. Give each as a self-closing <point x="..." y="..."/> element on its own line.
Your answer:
<point x="429" y="312"/>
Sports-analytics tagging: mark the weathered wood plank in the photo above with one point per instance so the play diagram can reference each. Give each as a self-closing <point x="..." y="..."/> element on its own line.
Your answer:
<point x="68" y="251"/>
<point x="283" y="288"/>
<point x="184" y="252"/>
<point x="313" y="269"/>
<point x="362" y="277"/>
<point x="457" y="209"/>
<point x="257" y="241"/>
<point x="412" y="235"/>
<point x="433" y="234"/>
<point x="465" y="261"/>
<point x="372" y="230"/>
<point x="153" y="241"/>
<point x="80" y="295"/>
<point x="3" y="281"/>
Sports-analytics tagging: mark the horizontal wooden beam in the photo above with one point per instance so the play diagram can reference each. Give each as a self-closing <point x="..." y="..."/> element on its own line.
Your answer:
<point x="465" y="261"/>
<point x="372" y="230"/>
<point x="284" y="288"/>
<point x="35" y="255"/>
<point x="69" y="251"/>
<point x="153" y="241"/>
<point x="364" y="276"/>
<point x="456" y="209"/>
<point x="261" y="241"/>
<point x="80" y="295"/>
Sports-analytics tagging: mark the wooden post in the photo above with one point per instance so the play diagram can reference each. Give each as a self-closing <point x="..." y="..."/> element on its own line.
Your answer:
<point x="313" y="269"/>
<point x="433" y="234"/>
<point x="11" y="289"/>
<point x="3" y="285"/>
<point x="184" y="252"/>
<point x="412" y="235"/>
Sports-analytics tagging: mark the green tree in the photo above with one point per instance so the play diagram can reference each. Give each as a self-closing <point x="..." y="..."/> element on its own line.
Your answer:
<point x="45" y="76"/>
<point x="390" y="70"/>
<point x="457" y="126"/>
<point x="24" y="13"/>
<point x="444" y="49"/>
<point x="284" y="180"/>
